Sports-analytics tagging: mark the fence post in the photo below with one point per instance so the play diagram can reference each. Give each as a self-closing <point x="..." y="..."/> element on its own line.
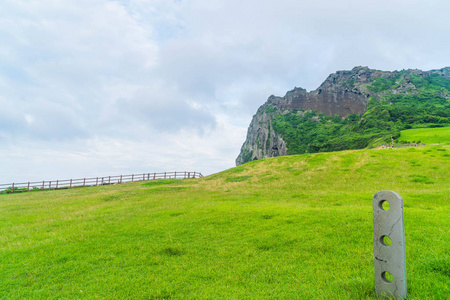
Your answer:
<point x="70" y="186"/>
<point x="175" y="174"/>
<point x="84" y="182"/>
<point x="120" y="178"/>
<point x="28" y="187"/>
<point x="12" y="190"/>
<point x="143" y="176"/>
<point x="43" y="183"/>
<point x="154" y="176"/>
<point x="132" y="177"/>
<point x="389" y="245"/>
<point x="50" y="186"/>
<point x="109" y="180"/>
<point x="96" y="181"/>
<point x="57" y="181"/>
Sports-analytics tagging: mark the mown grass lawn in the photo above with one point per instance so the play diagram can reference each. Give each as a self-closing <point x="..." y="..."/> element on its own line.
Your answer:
<point x="295" y="227"/>
<point x="426" y="135"/>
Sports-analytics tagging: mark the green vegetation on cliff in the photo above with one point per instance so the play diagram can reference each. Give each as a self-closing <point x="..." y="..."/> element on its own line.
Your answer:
<point x="383" y="84"/>
<point x="293" y="227"/>
<point x="311" y="132"/>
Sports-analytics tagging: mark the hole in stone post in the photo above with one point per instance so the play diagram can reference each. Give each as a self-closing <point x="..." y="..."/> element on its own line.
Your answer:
<point x="384" y="205"/>
<point x="385" y="240"/>
<point x="387" y="277"/>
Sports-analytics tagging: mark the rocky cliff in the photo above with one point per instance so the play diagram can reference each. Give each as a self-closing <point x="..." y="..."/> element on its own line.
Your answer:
<point x="342" y="93"/>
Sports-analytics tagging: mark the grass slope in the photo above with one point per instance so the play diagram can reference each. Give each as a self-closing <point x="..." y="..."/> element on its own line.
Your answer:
<point x="426" y="135"/>
<point x="295" y="227"/>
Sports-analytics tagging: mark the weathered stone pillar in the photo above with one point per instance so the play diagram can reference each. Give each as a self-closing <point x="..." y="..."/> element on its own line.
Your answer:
<point x="389" y="245"/>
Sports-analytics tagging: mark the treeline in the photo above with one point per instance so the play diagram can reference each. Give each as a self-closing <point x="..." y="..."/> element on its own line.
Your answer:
<point x="309" y="132"/>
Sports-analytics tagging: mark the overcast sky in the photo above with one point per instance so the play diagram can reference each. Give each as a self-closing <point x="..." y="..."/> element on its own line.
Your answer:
<point x="99" y="87"/>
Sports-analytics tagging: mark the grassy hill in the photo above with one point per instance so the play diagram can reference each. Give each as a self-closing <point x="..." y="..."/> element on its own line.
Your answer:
<point x="426" y="135"/>
<point x="294" y="227"/>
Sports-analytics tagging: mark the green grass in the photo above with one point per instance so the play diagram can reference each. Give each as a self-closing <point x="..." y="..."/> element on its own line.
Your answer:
<point x="426" y="135"/>
<point x="294" y="227"/>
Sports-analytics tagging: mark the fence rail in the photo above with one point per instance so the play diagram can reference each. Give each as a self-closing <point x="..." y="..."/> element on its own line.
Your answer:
<point x="92" y="181"/>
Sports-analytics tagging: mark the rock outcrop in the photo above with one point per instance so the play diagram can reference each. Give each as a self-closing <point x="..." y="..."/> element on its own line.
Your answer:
<point x="342" y="93"/>
<point x="262" y="140"/>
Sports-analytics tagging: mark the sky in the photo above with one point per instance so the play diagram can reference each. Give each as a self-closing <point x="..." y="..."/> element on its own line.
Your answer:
<point x="108" y="87"/>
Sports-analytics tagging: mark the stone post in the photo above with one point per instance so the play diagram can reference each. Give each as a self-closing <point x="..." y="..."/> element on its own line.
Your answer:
<point x="389" y="245"/>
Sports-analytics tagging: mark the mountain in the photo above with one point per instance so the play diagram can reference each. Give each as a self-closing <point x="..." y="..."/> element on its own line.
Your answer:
<point x="349" y="110"/>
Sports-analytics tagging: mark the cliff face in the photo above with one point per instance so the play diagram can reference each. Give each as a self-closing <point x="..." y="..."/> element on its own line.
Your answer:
<point x="342" y="93"/>
<point x="262" y="141"/>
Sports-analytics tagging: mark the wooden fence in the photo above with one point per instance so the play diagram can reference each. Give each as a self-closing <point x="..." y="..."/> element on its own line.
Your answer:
<point x="93" y="181"/>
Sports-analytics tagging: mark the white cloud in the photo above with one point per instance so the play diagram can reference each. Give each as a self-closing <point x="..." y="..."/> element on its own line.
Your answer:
<point x="90" y="87"/>
<point x="103" y="156"/>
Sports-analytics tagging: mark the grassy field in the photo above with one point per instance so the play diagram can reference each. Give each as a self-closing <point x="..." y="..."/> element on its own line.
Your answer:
<point x="426" y="135"/>
<point x="295" y="227"/>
